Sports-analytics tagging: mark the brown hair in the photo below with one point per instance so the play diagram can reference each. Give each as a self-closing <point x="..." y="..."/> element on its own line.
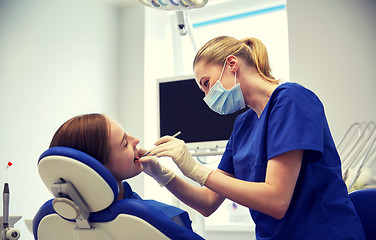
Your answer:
<point x="252" y="50"/>
<point x="87" y="133"/>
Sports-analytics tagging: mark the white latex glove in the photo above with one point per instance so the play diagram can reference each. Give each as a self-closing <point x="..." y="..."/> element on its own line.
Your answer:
<point x="177" y="150"/>
<point x="153" y="168"/>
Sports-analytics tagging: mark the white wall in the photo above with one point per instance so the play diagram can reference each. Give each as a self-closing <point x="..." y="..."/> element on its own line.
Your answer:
<point x="333" y="52"/>
<point x="130" y="88"/>
<point x="57" y="59"/>
<point x="146" y="54"/>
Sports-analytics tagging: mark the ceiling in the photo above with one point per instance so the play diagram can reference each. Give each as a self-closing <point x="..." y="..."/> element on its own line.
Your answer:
<point x="122" y="3"/>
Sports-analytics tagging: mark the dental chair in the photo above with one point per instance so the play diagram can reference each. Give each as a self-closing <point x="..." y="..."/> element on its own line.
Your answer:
<point x="84" y="206"/>
<point x="364" y="201"/>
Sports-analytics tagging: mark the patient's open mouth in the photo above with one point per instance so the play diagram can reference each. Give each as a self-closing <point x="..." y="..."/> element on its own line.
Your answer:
<point x="136" y="159"/>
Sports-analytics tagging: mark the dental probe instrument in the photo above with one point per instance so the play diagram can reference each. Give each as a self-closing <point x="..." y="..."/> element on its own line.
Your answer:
<point x="175" y="135"/>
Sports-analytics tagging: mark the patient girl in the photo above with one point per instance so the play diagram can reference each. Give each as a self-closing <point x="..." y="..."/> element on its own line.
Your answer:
<point x="104" y="139"/>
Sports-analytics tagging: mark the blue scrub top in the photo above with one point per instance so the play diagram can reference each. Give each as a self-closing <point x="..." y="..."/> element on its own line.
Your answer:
<point x="294" y="119"/>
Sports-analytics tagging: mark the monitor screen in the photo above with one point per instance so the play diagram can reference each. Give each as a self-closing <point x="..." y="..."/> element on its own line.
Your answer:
<point x="181" y="108"/>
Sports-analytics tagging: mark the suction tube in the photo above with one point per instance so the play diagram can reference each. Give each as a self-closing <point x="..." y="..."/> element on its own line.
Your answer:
<point x="6" y="206"/>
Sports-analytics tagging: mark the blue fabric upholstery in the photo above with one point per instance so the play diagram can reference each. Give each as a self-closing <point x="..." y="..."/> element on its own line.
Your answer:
<point x="170" y="211"/>
<point x="135" y="207"/>
<point x="365" y="204"/>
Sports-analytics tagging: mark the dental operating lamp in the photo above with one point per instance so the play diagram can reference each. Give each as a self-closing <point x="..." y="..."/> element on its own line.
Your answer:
<point x="174" y="5"/>
<point x="180" y="6"/>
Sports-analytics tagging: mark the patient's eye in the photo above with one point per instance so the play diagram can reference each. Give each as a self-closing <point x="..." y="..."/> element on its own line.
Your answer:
<point x="124" y="141"/>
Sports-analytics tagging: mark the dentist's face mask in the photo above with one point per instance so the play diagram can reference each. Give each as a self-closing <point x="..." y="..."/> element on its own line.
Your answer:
<point x="224" y="101"/>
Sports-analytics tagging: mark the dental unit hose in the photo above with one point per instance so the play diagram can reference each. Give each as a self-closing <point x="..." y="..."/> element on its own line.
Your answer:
<point x="8" y="232"/>
<point x="6" y="206"/>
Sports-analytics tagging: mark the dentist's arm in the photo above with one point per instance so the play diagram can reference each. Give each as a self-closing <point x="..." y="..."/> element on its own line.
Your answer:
<point x="202" y="199"/>
<point x="271" y="197"/>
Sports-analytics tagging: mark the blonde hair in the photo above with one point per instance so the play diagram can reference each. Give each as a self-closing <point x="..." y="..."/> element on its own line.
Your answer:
<point x="252" y="50"/>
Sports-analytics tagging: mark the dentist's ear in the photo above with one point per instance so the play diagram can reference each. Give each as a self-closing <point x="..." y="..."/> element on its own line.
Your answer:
<point x="233" y="63"/>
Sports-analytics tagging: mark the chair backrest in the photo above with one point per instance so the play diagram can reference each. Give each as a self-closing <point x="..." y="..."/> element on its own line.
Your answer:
<point x="84" y="207"/>
<point x="364" y="201"/>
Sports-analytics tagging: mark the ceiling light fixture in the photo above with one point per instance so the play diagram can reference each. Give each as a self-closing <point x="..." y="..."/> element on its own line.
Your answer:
<point x="174" y="5"/>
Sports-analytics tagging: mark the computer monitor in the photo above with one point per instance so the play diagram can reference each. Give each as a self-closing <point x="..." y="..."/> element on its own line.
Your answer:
<point x="181" y="108"/>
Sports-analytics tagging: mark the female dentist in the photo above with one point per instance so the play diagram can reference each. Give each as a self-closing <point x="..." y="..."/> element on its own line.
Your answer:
<point x="280" y="161"/>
